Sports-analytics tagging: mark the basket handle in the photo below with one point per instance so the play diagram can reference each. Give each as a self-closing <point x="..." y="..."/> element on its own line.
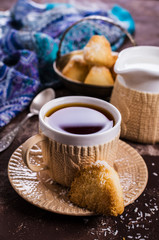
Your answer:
<point x="95" y="17"/>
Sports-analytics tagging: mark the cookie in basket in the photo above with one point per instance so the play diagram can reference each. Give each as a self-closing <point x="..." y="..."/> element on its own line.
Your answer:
<point x="76" y="68"/>
<point x="98" y="52"/>
<point x="99" y="75"/>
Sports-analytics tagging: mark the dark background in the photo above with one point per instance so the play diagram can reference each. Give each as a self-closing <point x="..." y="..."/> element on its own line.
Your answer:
<point x="19" y="220"/>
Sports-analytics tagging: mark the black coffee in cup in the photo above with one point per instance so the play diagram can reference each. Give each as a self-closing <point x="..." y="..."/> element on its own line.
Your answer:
<point x="79" y="118"/>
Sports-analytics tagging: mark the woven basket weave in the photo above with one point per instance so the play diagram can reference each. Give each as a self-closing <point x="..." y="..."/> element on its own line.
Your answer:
<point x="139" y="111"/>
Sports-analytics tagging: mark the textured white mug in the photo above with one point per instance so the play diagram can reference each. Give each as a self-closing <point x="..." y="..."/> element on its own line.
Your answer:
<point x="65" y="153"/>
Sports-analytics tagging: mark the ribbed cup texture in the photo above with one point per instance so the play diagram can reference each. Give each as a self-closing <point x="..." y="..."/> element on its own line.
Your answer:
<point x="139" y="111"/>
<point x="64" y="160"/>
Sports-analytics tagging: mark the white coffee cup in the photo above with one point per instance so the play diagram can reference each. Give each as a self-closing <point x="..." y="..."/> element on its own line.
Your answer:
<point x="65" y="153"/>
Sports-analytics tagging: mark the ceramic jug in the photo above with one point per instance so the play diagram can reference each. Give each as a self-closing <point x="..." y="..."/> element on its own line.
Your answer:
<point x="139" y="68"/>
<point x="136" y="93"/>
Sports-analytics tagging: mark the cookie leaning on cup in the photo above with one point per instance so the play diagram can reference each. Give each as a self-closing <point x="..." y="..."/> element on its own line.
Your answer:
<point x="97" y="187"/>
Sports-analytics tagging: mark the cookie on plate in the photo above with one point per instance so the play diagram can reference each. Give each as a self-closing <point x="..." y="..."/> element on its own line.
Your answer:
<point x="97" y="188"/>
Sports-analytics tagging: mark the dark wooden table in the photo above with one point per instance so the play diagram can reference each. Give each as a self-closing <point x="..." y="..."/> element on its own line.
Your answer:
<point x="22" y="221"/>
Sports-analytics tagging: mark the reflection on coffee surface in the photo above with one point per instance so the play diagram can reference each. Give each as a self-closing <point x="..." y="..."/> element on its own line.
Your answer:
<point x="79" y="118"/>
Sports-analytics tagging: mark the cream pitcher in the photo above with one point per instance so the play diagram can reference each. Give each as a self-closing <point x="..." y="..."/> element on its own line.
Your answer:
<point x="136" y="93"/>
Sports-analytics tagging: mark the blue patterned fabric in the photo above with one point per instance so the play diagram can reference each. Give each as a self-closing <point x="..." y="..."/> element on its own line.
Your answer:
<point x="29" y="39"/>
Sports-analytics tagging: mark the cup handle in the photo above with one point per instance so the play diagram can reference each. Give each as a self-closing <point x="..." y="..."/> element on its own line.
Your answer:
<point x="27" y="145"/>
